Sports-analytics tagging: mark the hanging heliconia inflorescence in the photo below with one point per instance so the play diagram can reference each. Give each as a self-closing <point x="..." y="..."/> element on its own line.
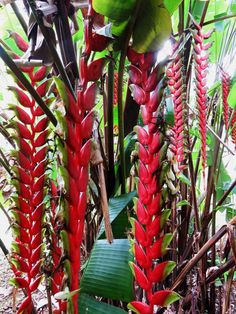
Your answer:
<point x="29" y="179"/>
<point x="225" y="83"/>
<point x="176" y="75"/>
<point x="150" y="241"/>
<point x="77" y="127"/>
<point x="201" y="64"/>
<point x="233" y="126"/>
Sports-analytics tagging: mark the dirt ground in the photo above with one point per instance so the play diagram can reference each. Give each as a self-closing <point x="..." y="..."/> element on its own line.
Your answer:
<point x="10" y="297"/>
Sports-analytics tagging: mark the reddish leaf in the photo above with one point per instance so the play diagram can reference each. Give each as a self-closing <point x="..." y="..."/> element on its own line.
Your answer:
<point x="87" y="125"/>
<point x="34" y="285"/>
<point x="36" y="228"/>
<point x="164" y="297"/>
<point x="83" y="179"/>
<point x="21" y="249"/>
<point x="94" y="71"/>
<point x="41" y="139"/>
<point x="40" y="74"/>
<point x="25" y="147"/>
<point x="159" y="248"/>
<point x="36" y="255"/>
<point x="140" y="277"/>
<point x="39" y="170"/>
<point x="23" y="161"/>
<point x="20" y="42"/>
<point x="140" y="307"/>
<point x="37" y="213"/>
<point x="38" y="111"/>
<point x="98" y="42"/>
<point x="41" y="125"/>
<point x="23" y="131"/>
<point x="84" y="154"/>
<point x="155" y="205"/>
<point x="36" y="241"/>
<point x="139" y="233"/>
<point x="38" y="185"/>
<point x="143" y="173"/>
<point x="42" y="89"/>
<point x="40" y="155"/>
<point x="23" y="265"/>
<point x="24" y="206"/>
<point x="141" y="257"/>
<point x="161" y="271"/>
<point x="89" y="97"/>
<point x="23" y="116"/>
<point x="154" y="227"/>
<point x="138" y="94"/>
<point x="21" y="96"/>
<point x="135" y="75"/>
<point x="142" y="214"/>
<point x="24" y="191"/>
<point x="35" y="270"/>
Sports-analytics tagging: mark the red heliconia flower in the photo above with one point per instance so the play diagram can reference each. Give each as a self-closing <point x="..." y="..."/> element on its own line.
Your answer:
<point x="201" y="62"/>
<point x="233" y="125"/>
<point x="147" y="90"/>
<point x="29" y="175"/>
<point x="225" y="83"/>
<point x="20" y="42"/>
<point x="77" y="126"/>
<point x="178" y="91"/>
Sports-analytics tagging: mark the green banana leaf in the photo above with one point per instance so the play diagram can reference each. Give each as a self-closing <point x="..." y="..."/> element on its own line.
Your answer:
<point x="118" y="215"/>
<point x="89" y="305"/>
<point x="118" y="10"/>
<point x="152" y="28"/>
<point x="172" y="5"/>
<point x="107" y="273"/>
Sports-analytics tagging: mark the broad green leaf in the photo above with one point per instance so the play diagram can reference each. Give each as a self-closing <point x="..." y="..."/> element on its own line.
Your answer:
<point x="89" y="305"/>
<point x="184" y="179"/>
<point x="118" y="215"/>
<point x="182" y="203"/>
<point x="232" y="97"/>
<point x="108" y="274"/>
<point x="169" y="112"/>
<point x="223" y="183"/>
<point x="118" y="10"/>
<point x="152" y="28"/>
<point x="172" y="5"/>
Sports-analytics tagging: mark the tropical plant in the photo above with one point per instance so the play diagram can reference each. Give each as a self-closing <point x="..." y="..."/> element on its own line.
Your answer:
<point x="121" y="161"/>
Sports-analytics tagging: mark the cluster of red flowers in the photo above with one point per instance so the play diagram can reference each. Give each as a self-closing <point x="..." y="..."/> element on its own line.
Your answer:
<point x="150" y="241"/>
<point x="201" y="63"/>
<point x="29" y="181"/>
<point x="176" y="84"/>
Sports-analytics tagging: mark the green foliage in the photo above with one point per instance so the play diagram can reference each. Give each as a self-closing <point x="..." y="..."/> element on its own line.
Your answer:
<point x="118" y="215"/>
<point x="89" y="305"/>
<point x="107" y="273"/>
<point x="152" y="28"/>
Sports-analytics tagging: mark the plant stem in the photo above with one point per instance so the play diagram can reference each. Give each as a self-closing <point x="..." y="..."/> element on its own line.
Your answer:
<point x="198" y="256"/>
<point x="51" y="47"/>
<point x="109" y="129"/>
